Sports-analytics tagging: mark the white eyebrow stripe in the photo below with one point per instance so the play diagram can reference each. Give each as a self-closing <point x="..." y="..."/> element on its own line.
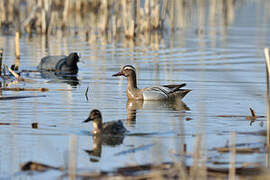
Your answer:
<point x="129" y="67"/>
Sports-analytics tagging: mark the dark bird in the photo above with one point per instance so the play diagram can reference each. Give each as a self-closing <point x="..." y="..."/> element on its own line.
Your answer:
<point x="60" y="64"/>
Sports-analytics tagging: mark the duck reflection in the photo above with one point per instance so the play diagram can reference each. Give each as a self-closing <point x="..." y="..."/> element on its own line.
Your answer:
<point x="66" y="78"/>
<point x="99" y="141"/>
<point x="132" y="106"/>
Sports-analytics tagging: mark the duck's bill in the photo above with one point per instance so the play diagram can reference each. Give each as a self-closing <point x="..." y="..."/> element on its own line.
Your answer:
<point x="80" y="56"/>
<point x="87" y="120"/>
<point x="118" y="74"/>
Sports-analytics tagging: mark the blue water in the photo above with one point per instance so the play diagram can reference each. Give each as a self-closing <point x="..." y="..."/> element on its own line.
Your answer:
<point x="223" y="65"/>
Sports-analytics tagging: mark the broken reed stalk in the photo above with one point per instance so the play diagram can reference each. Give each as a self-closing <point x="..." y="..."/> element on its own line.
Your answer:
<point x="195" y="168"/>
<point x="18" y="97"/>
<point x="17" y="76"/>
<point x="32" y="89"/>
<point x="14" y="74"/>
<point x="232" y="157"/>
<point x="72" y="156"/>
<point x="86" y="93"/>
<point x="253" y="113"/>
<point x="1" y="58"/>
<point x="24" y="89"/>
<point x="17" y="44"/>
<point x="238" y="150"/>
<point x="267" y="62"/>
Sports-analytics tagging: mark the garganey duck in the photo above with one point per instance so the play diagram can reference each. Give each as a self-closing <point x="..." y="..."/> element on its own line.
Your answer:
<point x="165" y="92"/>
<point x="107" y="128"/>
<point x="61" y="64"/>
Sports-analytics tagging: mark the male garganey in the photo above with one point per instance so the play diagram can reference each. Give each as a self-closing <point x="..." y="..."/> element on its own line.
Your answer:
<point x="165" y="92"/>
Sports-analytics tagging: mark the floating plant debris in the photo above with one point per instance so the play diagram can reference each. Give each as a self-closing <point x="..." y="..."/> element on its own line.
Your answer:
<point x="32" y="89"/>
<point x="252" y="117"/>
<point x="238" y="150"/>
<point x="34" y="166"/>
<point x="35" y="125"/>
<point x="19" y="97"/>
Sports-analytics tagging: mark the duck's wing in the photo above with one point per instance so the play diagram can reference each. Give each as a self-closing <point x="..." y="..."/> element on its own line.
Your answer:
<point x="177" y="91"/>
<point x="114" y="127"/>
<point x="156" y="93"/>
<point x="164" y="89"/>
<point x="162" y="92"/>
<point x="174" y="87"/>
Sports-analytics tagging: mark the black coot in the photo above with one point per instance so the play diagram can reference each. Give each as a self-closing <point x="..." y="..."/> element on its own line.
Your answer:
<point x="61" y="64"/>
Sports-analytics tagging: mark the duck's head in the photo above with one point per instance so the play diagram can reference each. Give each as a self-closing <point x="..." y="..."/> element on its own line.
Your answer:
<point x="73" y="58"/>
<point x="126" y="71"/>
<point x="95" y="116"/>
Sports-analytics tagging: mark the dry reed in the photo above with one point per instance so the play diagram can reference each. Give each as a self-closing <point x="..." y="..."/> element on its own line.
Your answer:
<point x="267" y="62"/>
<point x="72" y="157"/>
<point x="109" y="19"/>
<point x="17" y="52"/>
<point x="1" y="59"/>
<point x="232" y="157"/>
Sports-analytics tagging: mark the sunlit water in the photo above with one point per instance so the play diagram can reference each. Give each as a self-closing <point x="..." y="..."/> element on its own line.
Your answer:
<point x="224" y="67"/>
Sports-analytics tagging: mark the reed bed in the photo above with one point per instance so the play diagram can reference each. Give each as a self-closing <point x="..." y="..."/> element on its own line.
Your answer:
<point x="112" y="19"/>
<point x="95" y="16"/>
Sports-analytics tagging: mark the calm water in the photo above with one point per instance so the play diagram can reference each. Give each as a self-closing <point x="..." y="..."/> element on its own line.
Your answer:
<point x="223" y="65"/>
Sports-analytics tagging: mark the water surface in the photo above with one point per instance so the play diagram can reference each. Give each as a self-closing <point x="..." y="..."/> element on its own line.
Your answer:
<point x="223" y="65"/>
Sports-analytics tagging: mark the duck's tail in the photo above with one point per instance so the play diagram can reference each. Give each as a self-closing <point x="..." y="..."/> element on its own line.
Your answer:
<point x="181" y="93"/>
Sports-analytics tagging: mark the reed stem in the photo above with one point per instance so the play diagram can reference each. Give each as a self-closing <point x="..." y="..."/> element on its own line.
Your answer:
<point x="232" y="157"/>
<point x="17" y="44"/>
<point x="267" y="62"/>
<point x="1" y="58"/>
<point x="72" y="156"/>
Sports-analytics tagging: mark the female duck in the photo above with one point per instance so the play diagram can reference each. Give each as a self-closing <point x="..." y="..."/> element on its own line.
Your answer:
<point x="165" y="92"/>
<point x="107" y="128"/>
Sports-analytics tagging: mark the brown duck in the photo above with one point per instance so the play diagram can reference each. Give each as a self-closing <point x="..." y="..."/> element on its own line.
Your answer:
<point x="107" y="128"/>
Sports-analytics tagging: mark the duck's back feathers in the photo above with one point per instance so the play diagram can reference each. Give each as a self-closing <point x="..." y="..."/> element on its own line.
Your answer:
<point x="164" y="92"/>
<point x="155" y="93"/>
<point x="175" y="87"/>
<point x="114" y="128"/>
